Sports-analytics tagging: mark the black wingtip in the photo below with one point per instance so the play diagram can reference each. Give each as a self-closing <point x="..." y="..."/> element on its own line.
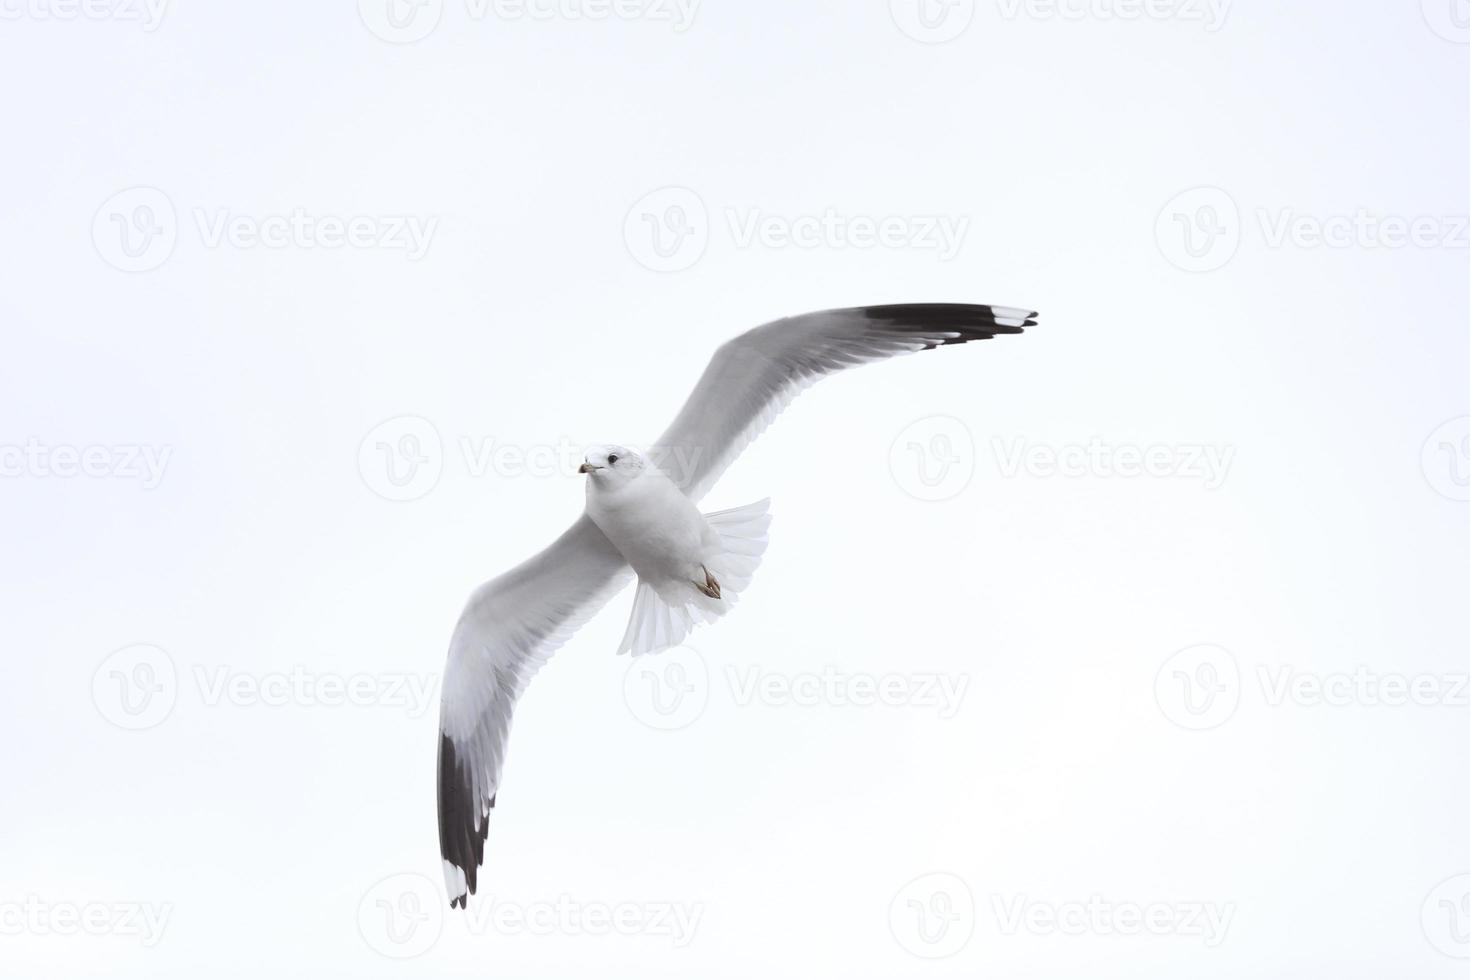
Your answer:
<point x="967" y="321"/>
<point x="461" y="842"/>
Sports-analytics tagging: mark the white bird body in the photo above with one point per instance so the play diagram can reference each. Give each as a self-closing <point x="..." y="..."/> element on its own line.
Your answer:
<point x="655" y="527"/>
<point x="645" y="521"/>
<point x="691" y="567"/>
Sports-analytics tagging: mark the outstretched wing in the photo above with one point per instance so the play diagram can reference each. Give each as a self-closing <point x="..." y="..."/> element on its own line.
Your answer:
<point x="753" y="377"/>
<point x="510" y="627"/>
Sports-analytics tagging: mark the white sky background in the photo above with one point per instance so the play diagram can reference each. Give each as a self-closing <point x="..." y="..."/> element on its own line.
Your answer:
<point x="1328" y="835"/>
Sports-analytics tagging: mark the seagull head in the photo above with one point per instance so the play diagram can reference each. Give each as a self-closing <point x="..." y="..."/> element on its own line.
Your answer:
<point x="611" y="465"/>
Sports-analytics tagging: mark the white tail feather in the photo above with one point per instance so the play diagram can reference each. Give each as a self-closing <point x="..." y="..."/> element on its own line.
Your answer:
<point x="662" y="620"/>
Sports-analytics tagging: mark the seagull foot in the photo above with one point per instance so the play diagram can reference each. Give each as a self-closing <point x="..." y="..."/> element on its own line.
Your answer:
<point x="710" y="587"/>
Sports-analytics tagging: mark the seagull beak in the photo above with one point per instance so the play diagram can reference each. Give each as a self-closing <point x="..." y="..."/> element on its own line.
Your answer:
<point x="587" y="468"/>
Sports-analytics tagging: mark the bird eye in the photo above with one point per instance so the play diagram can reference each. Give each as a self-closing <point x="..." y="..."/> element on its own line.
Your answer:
<point x="612" y="459"/>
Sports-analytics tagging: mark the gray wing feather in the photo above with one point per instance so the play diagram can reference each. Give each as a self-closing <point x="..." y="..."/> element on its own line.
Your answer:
<point x="752" y="378"/>
<point x="508" y="630"/>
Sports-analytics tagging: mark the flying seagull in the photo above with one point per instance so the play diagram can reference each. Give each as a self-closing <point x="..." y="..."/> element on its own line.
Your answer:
<point x="642" y="521"/>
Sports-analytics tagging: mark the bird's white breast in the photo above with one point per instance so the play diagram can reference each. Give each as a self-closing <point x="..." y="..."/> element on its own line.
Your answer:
<point x="653" y="524"/>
